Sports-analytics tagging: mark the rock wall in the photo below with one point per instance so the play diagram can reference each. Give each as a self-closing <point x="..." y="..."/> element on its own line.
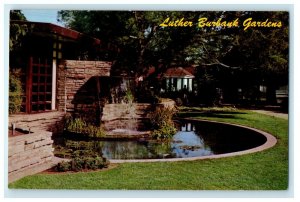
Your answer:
<point x="48" y="121"/>
<point x="123" y="111"/>
<point x="132" y="111"/>
<point x="78" y="85"/>
<point x="29" y="154"/>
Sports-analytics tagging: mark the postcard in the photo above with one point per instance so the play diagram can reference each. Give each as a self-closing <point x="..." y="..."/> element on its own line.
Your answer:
<point x="148" y="100"/>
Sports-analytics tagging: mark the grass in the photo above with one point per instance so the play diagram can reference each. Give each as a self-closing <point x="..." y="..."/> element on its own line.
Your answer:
<point x="267" y="170"/>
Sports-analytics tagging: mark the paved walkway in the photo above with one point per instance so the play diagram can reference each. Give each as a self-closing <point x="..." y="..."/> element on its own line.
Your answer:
<point x="272" y="113"/>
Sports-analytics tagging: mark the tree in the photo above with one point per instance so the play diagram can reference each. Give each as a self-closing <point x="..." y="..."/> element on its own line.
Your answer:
<point x="137" y="35"/>
<point x="262" y="54"/>
<point x="15" y="87"/>
<point x="239" y="57"/>
<point x="247" y="58"/>
<point x="16" y="31"/>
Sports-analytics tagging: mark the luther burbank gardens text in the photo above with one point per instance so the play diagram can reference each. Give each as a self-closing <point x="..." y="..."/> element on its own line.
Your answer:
<point x="205" y="22"/>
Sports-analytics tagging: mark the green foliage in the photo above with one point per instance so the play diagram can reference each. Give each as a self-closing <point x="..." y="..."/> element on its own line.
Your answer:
<point x="78" y="125"/>
<point x="86" y="159"/>
<point x="239" y="58"/>
<point x="15" y="93"/>
<point x="161" y="117"/>
<point x="63" y="166"/>
<point x="17" y="15"/>
<point x="17" y="31"/>
<point x="84" y="156"/>
<point x="162" y="122"/>
<point x="79" y="163"/>
<point x="129" y="98"/>
<point x="94" y="131"/>
<point x="164" y="132"/>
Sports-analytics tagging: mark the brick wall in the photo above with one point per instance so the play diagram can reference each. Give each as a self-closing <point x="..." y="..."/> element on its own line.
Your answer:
<point x="78" y="85"/>
<point x="29" y="154"/>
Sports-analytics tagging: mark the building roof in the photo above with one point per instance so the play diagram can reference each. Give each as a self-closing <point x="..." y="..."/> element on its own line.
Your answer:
<point x="48" y="28"/>
<point x="178" y="72"/>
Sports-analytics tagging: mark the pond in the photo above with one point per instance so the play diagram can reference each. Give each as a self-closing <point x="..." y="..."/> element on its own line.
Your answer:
<point x="193" y="139"/>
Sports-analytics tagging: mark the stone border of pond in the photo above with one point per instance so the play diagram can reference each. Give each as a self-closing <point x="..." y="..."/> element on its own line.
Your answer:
<point x="270" y="142"/>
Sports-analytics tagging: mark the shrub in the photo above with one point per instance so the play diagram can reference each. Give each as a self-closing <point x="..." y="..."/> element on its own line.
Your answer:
<point x="76" y="125"/>
<point x="162" y="123"/>
<point x="161" y="117"/>
<point x="88" y="162"/>
<point x="165" y="132"/>
<point x="77" y="163"/>
<point x="94" y="131"/>
<point x="81" y="162"/>
<point x="15" y="93"/>
<point x="63" y="166"/>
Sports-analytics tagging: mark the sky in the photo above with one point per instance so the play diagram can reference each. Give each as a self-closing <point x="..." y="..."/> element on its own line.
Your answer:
<point x="40" y="15"/>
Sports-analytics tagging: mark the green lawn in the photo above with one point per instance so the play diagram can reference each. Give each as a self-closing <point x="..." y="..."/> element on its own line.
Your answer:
<point x="267" y="170"/>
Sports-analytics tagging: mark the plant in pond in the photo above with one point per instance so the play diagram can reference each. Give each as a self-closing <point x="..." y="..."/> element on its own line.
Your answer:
<point x="161" y="117"/>
<point x="129" y="98"/>
<point x="164" y="132"/>
<point x="162" y="122"/>
<point x="188" y="147"/>
<point x="90" y="148"/>
<point x="94" y="131"/>
<point x="164" y="149"/>
<point x="78" y="125"/>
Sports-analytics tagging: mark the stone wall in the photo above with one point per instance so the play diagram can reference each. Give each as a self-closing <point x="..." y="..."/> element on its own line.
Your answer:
<point x="78" y="85"/>
<point x="124" y="111"/>
<point x="48" y="121"/>
<point x="29" y="154"/>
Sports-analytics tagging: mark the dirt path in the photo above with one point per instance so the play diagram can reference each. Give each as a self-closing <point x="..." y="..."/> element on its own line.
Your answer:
<point x="272" y="113"/>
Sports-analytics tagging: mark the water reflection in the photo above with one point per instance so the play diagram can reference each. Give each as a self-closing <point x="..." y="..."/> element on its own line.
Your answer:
<point x="185" y="143"/>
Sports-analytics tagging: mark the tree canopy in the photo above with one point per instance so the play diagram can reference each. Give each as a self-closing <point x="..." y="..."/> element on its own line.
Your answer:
<point x="247" y="55"/>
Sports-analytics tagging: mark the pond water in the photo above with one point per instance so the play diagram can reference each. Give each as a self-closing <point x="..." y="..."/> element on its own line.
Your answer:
<point x="192" y="140"/>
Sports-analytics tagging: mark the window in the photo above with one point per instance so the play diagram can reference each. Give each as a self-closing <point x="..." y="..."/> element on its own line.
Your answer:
<point x="39" y="85"/>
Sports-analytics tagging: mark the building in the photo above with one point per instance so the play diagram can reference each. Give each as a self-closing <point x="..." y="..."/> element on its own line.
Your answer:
<point x="56" y="66"/>
<point x="177" y="79"/>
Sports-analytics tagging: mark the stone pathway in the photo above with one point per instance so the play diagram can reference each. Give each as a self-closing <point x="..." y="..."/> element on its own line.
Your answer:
<point x="272" y="113"/>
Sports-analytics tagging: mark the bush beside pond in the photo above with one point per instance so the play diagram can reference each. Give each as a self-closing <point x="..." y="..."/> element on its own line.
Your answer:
<point x="84" y="156"/>
<point x="162" y="123"/>
<point x="164" y="132"/>
<point x="80" y="163"/>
